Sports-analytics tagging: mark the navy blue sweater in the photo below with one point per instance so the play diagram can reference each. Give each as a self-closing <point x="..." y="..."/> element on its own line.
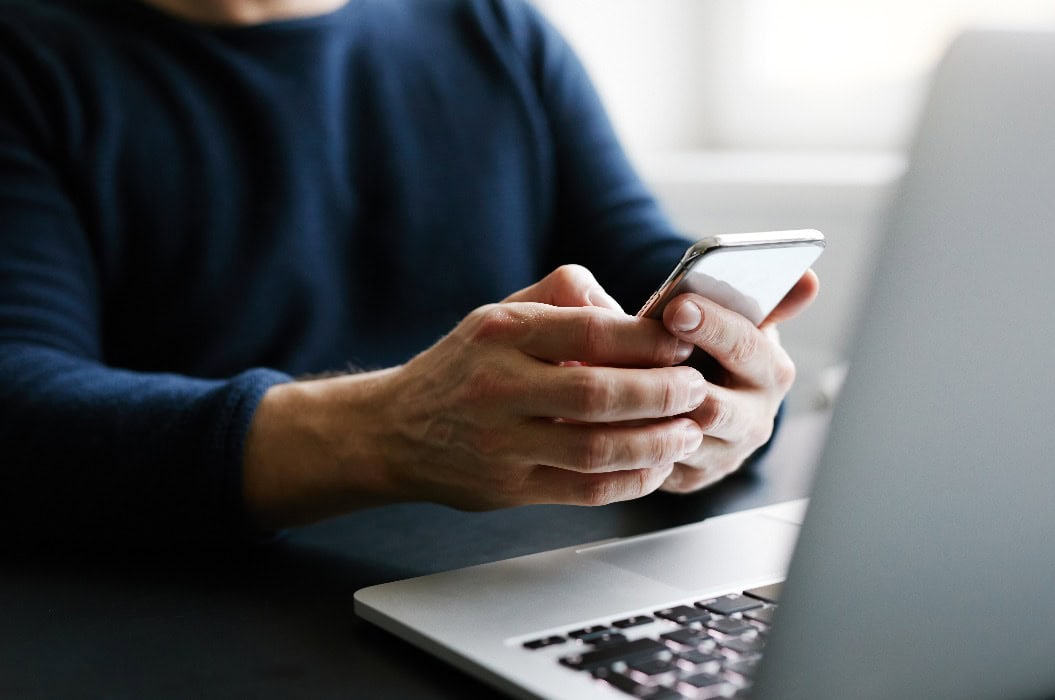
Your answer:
<point x="189" y="215"/>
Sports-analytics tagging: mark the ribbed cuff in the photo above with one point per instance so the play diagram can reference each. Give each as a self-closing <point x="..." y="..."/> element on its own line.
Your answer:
<point x="245" y="391"/>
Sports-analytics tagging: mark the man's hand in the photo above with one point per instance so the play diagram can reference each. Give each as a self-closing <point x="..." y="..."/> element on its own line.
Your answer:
<point x="755" y="374"/>
<point x="552" y="396"/>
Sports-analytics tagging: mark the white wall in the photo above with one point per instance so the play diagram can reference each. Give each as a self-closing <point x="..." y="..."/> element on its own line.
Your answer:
<point x="655" y="63"/>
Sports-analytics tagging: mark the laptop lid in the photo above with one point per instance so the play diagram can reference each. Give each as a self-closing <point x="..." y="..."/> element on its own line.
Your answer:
<point x="926" y="562"/>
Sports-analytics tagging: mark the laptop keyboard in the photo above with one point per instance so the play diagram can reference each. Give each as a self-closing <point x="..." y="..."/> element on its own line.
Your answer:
<point x="707" y="649"/>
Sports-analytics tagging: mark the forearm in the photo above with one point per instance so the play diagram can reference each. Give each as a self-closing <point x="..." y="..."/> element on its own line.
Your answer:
<point x="316" y="449"/>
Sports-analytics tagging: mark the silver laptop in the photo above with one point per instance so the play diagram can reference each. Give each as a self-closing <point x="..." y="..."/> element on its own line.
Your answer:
<point x="924" y="565"/>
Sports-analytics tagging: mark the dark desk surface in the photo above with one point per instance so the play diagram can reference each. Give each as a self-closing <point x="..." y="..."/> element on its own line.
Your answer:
<point x="278" y="622"/>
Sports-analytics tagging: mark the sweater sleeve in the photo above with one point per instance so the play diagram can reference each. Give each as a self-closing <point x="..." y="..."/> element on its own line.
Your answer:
<point x="88" y="450"/>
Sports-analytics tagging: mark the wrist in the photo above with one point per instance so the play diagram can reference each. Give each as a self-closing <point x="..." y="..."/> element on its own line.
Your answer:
<point x="315" y="450"/>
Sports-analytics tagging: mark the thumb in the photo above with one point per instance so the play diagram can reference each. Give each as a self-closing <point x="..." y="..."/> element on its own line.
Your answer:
<point x="568" y="285"/>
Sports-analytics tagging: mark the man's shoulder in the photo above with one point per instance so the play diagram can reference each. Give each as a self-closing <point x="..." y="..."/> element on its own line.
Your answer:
<point x="50" y="50"/>
<point x="519" y="18"/>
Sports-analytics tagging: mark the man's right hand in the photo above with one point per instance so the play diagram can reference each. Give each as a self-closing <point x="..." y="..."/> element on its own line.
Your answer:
<point x="543" y="398"/>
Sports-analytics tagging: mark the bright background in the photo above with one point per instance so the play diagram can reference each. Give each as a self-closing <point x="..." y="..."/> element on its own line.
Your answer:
<point x="748" y="115"/>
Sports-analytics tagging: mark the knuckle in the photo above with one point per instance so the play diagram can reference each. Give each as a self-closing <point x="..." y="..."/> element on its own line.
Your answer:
<point x="598" y="491"/>
<point x="497" y="322"/>
<point x="665" y="352"/>
<point x="594" y="330"/>
<point x="744" y="348"/>
<point x="598" y="451"/>
<point x="714" y="335"/>
<point x="713" y="414"/>
<point x="664" y="447"/>
<point x="647" y="481"/>
<point x="594" y="395"/>
<point x="601" y="490"/>
<point x="572" y="273"/>
<point x="671" y="399"/>
<point x="658" y="476"/>
<point x="784" y="372"/>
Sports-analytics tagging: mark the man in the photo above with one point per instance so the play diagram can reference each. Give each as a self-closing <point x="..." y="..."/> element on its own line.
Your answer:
<point x="201" y="200"/>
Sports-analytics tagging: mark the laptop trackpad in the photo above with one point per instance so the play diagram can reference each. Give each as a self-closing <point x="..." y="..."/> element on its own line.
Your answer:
<point x="709" y="554"/>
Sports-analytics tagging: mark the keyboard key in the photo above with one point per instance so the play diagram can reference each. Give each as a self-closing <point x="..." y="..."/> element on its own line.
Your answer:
<point x="587" y="631"/>
<point x="729" y="625"/>
<point x="704" y="680"/>
<point x="683" y="614"/>
<point x="602" y="638"/>
<point x="704" y="686"/>
<point x="610" y="653"/>
<point x="688" y="637"/>
<point x="666" y="694"/>
<point x="626" y="684"/>
<point x="714" y="653"/>
<point x="744" y="645"/>
<point x="770" y="593"/>
<point x="656" y="666"/>
<point x="544" y="642"/>
<point x="729" y="604"/>
<point x="639" y="690"/>
<point x="695" y="659"/>
<point x="761" y="615"/>
<point x="634" y="621"/>
<point x="652" y="690"/>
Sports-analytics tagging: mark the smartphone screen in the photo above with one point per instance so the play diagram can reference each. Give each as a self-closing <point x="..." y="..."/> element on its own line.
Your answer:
<point x="747" y="273"/>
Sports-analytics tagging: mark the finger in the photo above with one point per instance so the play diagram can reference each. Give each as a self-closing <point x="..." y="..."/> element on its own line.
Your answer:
<point x="720" y="416"/>
<point x="596" y="448"/>
<point x="732" y="340"/>
<point x="796" y="300"/>
<point x="612" y="394"/>
<point x="554" y="485"/>
<point x="591" y="335"/>
<point x="685" y="478"/>
<point x="568" y="285"/>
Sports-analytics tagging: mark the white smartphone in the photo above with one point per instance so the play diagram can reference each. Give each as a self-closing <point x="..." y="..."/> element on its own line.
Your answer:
<point x="746" y="272"/>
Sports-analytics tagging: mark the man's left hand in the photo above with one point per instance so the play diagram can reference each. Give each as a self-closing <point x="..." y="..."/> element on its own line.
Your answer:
<point x="755" y="376"/>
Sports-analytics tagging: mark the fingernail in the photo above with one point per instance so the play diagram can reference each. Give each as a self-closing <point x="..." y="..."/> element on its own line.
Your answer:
<point x="693" y="438"/>
<point x="599" y="297"/>
<point x="687" y="317"/>
<point x="697" y="393"/>
<point x="684" y="351"/>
